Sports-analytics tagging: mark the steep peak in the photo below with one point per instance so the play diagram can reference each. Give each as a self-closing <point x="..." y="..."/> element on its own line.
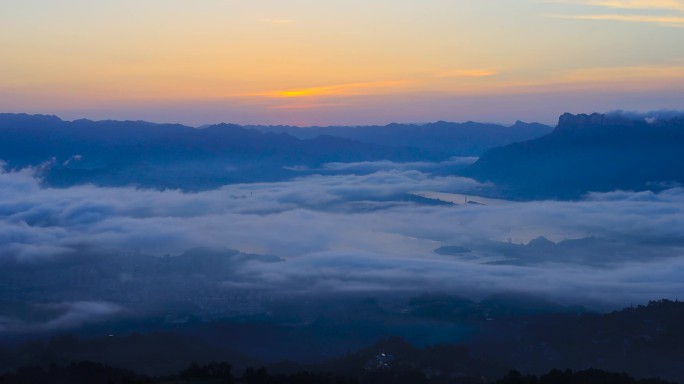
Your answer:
<point x="541" y="242"/>
<point x="519" y="124"/>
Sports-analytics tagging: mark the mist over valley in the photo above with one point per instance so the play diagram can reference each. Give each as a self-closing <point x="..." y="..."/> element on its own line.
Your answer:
<point x="266" y="246"/>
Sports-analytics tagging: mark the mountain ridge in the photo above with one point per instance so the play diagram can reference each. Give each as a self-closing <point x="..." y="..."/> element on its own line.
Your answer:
<point x="172" y="155"/>
<point x="588" y="153"/>
<point x="458" y="139"/>
<point x="144" y="154"/>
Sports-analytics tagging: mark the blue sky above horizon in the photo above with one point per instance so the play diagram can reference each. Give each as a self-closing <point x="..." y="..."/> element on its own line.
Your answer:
<point x="306" y="62"/>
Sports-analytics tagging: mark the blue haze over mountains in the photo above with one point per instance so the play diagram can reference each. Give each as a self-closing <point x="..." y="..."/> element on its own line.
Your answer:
<point x="458" y="139"/>
<point x="259" y="244"/>
<point x="584" y="153"/>
<point x="176" y="156"/>
<point x="590" y="153"/>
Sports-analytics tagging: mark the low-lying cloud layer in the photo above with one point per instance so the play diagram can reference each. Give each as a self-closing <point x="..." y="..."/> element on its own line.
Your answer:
<point x="62" y="316"/>
<point x="351" y="233"/>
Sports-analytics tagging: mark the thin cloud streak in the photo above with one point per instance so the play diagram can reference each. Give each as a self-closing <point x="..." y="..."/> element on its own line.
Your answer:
<point x="608" y="74"/>
<point x="365" y="88"/>
<point x="649" y="5"/>
<point x="669" y="21"/>
<point x="661" y="12"/>
<point x="70" y="315"/>
<point x="671" y="5"/>
<point x="307" y="106"/>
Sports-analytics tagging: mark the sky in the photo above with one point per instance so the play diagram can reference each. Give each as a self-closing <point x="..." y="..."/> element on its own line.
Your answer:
<point x="334" y="62"/>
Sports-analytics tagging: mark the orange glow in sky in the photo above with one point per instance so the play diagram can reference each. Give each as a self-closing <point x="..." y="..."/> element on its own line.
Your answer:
<point x="337" y="90"/>
<point x="349" y="61"/>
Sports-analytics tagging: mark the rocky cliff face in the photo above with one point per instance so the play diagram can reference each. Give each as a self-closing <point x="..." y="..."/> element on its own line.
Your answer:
<point x="651" y="121"/>
<point x="585" y="153"/>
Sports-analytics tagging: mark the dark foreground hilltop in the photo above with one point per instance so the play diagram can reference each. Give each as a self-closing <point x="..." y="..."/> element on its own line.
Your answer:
<point x="222" y="373"/>
<point x="643" y="342"/>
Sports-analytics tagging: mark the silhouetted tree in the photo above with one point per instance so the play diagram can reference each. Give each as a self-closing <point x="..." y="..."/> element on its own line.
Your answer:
<point x="252" y="376"/>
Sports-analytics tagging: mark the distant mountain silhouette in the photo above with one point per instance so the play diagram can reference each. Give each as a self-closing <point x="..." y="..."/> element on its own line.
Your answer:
<point x="172" y="155"/>
<point x="589" y="153"/>
<point x="458" y="139"/>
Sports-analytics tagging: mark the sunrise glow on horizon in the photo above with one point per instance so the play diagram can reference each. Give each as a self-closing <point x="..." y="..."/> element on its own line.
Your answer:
<point x="307" y="62"/>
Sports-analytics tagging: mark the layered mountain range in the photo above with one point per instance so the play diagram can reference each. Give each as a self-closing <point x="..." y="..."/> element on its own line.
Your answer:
<point x="459" y="139"/>
<point x="115" y="153"/>
<point x="584" y="153"/>
<point x="174" y="156"/>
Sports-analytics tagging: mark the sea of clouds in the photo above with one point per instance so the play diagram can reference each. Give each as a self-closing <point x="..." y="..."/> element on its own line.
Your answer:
<point x="359" y="233"/>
